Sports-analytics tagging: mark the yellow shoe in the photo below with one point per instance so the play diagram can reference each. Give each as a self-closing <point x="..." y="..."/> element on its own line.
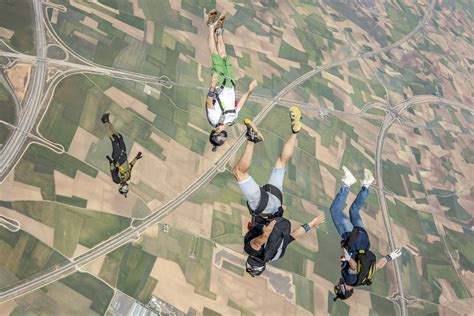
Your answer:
<point x="253" y="134"/>
<point x="295" y="117"/>
<point x="211" y="17"/>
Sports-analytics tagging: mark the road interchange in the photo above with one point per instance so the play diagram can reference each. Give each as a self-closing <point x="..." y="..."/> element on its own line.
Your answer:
<point x="131" y="233"/>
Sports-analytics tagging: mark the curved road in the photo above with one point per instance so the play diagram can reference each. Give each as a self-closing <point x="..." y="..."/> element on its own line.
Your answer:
<point x="31" y="109"/>
<point x="132" y="233"/>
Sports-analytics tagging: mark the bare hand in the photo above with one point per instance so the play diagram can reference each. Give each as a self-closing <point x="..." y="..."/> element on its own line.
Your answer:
<point x="253" y="85"/>
<point x="267" y="230"/>
<point x="347" y="256"/>
<point x="317" y="220"/>
<point x="214" y="78"/>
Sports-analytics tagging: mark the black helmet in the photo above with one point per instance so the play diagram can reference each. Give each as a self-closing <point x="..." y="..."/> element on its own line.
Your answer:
<point x="254" y="266"/>
<point x="341" y="291"/>
<point x="213" y="139"/>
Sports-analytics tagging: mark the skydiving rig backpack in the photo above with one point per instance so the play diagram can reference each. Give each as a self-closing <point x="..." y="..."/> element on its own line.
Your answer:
<point x="218" y="100"/>
<point x="366" y="260"/>
<point x="277" y="242"/>
<point x="257" y="216"/>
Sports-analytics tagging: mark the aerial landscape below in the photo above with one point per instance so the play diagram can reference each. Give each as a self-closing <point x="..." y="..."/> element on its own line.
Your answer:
<point x="181" y="157"/>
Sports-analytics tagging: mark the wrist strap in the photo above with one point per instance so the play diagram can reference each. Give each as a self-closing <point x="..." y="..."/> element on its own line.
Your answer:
<point x="306" y="227"/>
<point x="210" y="93"/>
<point x="388" y="258"/>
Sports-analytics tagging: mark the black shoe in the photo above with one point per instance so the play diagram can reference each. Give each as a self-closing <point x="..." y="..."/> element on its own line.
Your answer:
<point x="253" y="134"/>
<point x="105" y="118"/>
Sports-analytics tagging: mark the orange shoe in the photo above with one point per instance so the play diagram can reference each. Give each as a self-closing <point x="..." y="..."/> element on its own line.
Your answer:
<point x="218" y="27"/>
<point x="211" y="18"/>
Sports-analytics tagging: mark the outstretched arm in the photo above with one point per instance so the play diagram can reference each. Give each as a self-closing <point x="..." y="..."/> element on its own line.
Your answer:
<point x="393" y="255"/>
<point x="212" y="90"/>
<point x="246" y="95"/>
<point x="259" y="241"/>
<point x="303" y="229"/>
<point x="381" y="263"/>
<point x="134" y="161"/>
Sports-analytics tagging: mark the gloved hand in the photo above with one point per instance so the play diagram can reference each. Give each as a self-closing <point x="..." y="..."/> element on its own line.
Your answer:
<point x="139" y="155"/>
<point x="394" y="254"/>
<point x="347" y="256"/>
<point x="109" y="159"/>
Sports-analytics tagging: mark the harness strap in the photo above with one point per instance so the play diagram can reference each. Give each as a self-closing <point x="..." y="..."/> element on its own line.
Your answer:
<point x="270" y="188"/>
<point x="216" y="98"/>
<point x="262" y="204"/>
<point x="225" y="81"/>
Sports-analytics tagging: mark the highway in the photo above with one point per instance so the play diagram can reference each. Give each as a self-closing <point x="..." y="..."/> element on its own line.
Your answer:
<point x="27" y="117"/>
<point x="129" y="234"/>
<point x="387" y="123"/>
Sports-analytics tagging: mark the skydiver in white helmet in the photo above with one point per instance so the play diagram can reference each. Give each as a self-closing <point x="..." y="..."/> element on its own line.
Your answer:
<point x="120" y="168"/>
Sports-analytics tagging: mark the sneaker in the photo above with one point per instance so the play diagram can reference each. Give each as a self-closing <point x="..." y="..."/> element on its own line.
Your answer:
<point x="105" y="118"/>
<point x="253" y="134"/>
<point x="295" y="117"/>
<point x="368" y="178"/>
<point x="348" y="179"/>
<point x="211" y="18"/>
<point x="218" y="27"/>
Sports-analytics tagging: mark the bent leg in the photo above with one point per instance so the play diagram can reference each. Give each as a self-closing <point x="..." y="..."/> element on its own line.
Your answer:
<point x="251" y="192"/>
<point x="119" y="150"/>
<point x="354" y="211"/>
<point x="241" y="169"/>
<point x="276" y="178"/>
<point x="286" y="152"/>
<point x="340" y="220"/>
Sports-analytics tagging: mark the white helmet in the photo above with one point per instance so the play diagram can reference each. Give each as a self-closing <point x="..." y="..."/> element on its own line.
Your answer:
<point x="123" y="189"/>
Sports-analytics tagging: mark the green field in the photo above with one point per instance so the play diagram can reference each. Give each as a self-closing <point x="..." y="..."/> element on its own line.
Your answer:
<point x="24" y="256"/>
<point x="226" y="227"/>
<point x="18" y="16"/>
<point x="234" y="268"/>
<point x="243" y="311"/>
<point x="109" y="271"/>
<point x="73" y="225"/>
<point x="462" y="242"/>
<point x="7" y="110"/>
<point x="304" y="292"/>
<point x="133" y="275"/>
<point x="98" y="292"/>
<point x="382" y="306"/>
<point x="37" y="167"/>
<point x="192" y="254"/>
<point x="65" y="111"/>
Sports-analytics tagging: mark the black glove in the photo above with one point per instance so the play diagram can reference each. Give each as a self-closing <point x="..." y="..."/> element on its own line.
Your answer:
<point x="139" y="155"/>
<point x="105" y="118"/>
<point x="109" y="159"/>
